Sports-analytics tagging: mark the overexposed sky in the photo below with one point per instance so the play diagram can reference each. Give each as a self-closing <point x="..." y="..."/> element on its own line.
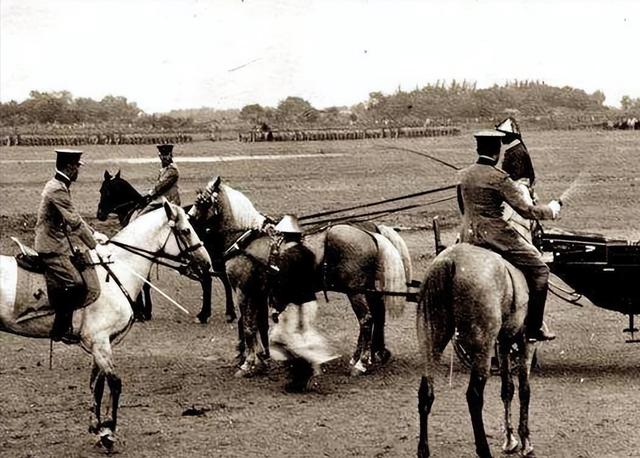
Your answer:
<point x="166" y="54"/>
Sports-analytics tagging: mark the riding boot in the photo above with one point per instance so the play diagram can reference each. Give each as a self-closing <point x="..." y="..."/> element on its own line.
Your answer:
<point x="63" y="316"/>
<point x="66" y="301"/>
<point x="538" y="288"/>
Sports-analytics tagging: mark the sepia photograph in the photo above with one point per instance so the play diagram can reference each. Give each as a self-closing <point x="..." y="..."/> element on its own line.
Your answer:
<point x="339" y="228"/>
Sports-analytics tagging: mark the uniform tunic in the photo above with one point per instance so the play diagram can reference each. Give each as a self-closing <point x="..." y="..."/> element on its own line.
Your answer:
<point x="482" y="190"/>
<point x="167" y="185"/>
<point x="57" y="215"/>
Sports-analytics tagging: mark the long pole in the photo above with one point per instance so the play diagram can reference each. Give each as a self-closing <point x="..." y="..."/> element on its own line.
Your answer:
<point x="154" y="288"/>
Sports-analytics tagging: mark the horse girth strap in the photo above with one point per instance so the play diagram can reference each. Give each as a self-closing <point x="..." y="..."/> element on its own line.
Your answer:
<point x="110" y="274"/>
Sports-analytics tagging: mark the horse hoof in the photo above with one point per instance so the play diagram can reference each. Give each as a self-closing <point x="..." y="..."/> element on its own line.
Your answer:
<point x="200" y="320"/>
<point x="358" y="369"/>
<point x="510" y="445"/>
<point x="382" y="357"/>
<point x="528" y="451"/>
<point x="106" y="438"/>
<point x="242" y="373"/>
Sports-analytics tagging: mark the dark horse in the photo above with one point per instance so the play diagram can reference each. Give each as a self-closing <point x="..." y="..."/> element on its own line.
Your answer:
<point x="477" y="292"/>
<point x="119" y="197"/>
<point x="348" y="259"/>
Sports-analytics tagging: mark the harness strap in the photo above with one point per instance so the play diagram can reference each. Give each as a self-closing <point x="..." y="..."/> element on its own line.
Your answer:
<point x="110" y="274"/>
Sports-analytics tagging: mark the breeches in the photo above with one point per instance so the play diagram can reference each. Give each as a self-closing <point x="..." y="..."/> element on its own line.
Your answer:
<point x="65" y="285"/>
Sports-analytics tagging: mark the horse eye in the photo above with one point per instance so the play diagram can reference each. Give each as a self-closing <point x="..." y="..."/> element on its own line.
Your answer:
<point x="185" y="231"/>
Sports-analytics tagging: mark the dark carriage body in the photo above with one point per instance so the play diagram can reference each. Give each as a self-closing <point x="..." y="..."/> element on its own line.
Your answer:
<point x="605" y="271"/>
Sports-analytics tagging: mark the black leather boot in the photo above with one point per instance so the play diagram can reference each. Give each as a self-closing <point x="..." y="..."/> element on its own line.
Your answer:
<point x="61" y="324"/>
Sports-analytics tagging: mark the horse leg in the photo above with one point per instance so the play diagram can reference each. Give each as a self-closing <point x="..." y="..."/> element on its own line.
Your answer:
<point x="230" y="309"/>
<point x="96" y="384"/>
<point x="115" y="387"/>
<point x="205" y="312"/>
<point x="433" y="337"/>
<point x="248" y="311"/>
<point x="380" y="353"/>
<point x="361" y="359"/>
<point x="510" y="442"/>
<point x="240" y="346"/>
<point x="524" y="390"/>
<point x="475" y="401"/>
<point x="426" y="396"/>
<point x="146" y="311"/>
<point x="104" y="368"/>
<point x="263" y="329"/>
<point x="138" y="309"/>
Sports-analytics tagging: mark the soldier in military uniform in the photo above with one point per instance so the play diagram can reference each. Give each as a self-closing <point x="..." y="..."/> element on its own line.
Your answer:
<point x="58" y="229"/>
<point x="167" y="182"/>
<point x="482" y="190"/>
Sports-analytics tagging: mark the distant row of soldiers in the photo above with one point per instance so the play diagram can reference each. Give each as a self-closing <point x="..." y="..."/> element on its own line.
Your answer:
<point x="94" y="139"/>
<point x="624" y="124"/>
<point x="346" y="134"/>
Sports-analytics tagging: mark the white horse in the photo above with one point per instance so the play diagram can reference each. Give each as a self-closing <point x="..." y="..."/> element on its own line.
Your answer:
<point x="162" y="234"/>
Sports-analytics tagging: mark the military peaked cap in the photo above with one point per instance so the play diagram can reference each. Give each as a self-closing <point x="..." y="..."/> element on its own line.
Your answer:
<point x="165" y="149"/>
<point x="68" y="156"/>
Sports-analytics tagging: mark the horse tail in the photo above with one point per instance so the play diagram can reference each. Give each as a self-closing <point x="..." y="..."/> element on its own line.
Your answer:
<point x="390" y="276"/>
<point x="400" y="245"/>
<point x="435" y="301"/>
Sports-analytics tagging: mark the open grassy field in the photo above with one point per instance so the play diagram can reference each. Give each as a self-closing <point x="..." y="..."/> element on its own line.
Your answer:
<point x="585" y="398"/>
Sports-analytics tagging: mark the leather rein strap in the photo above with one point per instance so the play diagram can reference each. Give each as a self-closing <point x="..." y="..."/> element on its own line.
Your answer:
<point x="159" y="256"/>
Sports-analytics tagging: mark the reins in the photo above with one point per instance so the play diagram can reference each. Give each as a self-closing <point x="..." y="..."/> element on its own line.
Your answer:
<point x="159" y="256"/>
<point x="379" y="202"/>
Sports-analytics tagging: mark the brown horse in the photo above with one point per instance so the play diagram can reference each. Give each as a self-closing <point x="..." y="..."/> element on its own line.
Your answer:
<point x="477" y="292"/>
<point x="348" y="259"/>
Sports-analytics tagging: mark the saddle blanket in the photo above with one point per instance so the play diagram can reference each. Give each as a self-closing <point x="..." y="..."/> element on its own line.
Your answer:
<point x="25" y="292"/>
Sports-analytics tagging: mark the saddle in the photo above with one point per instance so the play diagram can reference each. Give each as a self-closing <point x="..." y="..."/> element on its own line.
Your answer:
<point x="31" y="292"/>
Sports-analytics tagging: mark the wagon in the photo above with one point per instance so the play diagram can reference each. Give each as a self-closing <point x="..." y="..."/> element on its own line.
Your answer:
<point x="605" y="271"/>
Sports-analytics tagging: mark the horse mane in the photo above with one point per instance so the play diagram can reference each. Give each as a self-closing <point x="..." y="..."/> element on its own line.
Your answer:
<point x="238" y="209"/>
<point x="128" y="188"/>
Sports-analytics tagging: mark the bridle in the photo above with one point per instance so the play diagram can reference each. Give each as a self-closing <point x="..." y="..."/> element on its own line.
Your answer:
<point x="181" y="262"/>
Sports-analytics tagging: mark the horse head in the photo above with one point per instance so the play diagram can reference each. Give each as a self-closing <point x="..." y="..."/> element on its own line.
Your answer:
<point x="206" y="205"/>
<point x="116" y="196"/>
<point x="185" y="245"/>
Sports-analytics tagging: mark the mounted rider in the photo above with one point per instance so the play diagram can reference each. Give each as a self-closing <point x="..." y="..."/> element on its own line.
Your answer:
<point x="167" y="182"/>
<point x="482" y="190"/>
<point x="59" y="228"/>
<point x="517" y="163"/>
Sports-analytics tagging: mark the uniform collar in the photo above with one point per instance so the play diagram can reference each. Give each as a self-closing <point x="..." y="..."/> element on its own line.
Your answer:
<point x="62" y="178"/>
<point x="514" y="143"/>
<point x="486" y="160"/>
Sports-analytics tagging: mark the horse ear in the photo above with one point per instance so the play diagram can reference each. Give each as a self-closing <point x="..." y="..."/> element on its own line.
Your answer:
<point x="171" y="212"/>
<point x="216" y="182"/>
<point x="106" y="175"/>
<point x="118" y="174"/>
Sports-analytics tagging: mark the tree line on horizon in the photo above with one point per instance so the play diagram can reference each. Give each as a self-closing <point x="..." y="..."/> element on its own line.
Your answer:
<point x="437" y="101"/>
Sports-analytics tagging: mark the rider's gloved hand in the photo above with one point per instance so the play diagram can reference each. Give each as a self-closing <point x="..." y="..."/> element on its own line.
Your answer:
<point x="555" y="206"/>
<point x="100" y="237"/>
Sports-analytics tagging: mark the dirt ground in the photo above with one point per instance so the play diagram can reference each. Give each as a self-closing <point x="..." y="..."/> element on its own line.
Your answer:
<point x="585" y="396"/>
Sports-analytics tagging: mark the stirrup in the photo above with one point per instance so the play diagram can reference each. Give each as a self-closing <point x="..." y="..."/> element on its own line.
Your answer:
<point x="540" y="336"/>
